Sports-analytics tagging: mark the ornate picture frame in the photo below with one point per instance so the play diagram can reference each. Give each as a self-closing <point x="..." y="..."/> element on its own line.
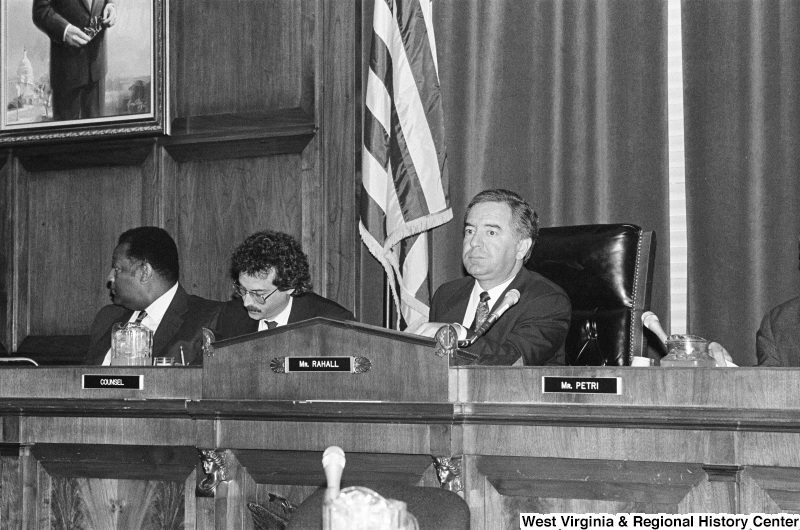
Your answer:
<point x="53" y="87"/>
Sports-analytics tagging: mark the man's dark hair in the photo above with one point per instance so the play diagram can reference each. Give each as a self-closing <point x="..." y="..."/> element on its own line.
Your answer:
<point x="268" y="251"/>
<point x="155" y="246"/>
<point x="526" y="222"/>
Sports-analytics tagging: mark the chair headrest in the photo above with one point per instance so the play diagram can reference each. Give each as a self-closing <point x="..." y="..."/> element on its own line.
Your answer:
<point x="590" y="262"/>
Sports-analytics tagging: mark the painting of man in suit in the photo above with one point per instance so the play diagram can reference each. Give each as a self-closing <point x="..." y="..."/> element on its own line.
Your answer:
<point x="78" y="63"/>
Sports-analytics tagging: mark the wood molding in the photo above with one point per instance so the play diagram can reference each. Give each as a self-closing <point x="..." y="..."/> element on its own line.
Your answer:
<point x="86" y="154"/>
<point x="234" y="135"/>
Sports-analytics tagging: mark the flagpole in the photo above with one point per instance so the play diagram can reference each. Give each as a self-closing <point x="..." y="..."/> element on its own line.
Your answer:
<point x="387" y="303"/>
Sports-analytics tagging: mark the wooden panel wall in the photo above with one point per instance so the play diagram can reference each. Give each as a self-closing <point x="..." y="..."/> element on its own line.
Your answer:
<point x="70" y="214"/>
<point x="231" y="62"/>
<point x="221" y="203"/>
<point x="251" y="51"/>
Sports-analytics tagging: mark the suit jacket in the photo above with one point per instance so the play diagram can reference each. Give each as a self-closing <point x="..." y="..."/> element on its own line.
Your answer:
<point x="778" y="338"/>
<point x="181" y="327"/>
<point x="71" y="67"/>
<point x="234" y="319"/>
<point x="534" y="329"/>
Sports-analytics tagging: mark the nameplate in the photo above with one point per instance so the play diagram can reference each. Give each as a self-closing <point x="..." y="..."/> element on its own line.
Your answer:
<point x="286" y="365"/>
<point x="131" y="382"/>
<point x="319" y="364"/>
<point x="581" y="385"/>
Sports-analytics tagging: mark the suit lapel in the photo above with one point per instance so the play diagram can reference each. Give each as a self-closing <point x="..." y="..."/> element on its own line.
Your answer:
<point x="517" y="283"/>
<point x="171" y="323"/>
<point x="300" y="310"/>
<point x="456" y="304"/>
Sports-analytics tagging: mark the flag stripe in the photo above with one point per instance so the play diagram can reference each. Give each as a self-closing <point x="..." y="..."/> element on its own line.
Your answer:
<point x="406" y="181"/>
<point x="376" y="139"/>
<point x="404" y="161"/>
<point x="422" y="63"/>
<point x="410" y="109"/>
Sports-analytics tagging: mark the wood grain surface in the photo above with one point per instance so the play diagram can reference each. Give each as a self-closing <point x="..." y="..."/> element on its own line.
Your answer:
<point x="220" y="203"/>
<point x="403" y="367"/>
<point x="86" y="456"/>
<point x="233" y="57"/>
<point x="70" y="242"/>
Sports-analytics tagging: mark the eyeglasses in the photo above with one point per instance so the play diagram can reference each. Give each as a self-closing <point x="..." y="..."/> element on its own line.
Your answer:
<point x="258" y="297"/>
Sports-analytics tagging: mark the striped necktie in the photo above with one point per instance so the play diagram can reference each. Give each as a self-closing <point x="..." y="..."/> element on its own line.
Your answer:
<point x="481" y="312"/>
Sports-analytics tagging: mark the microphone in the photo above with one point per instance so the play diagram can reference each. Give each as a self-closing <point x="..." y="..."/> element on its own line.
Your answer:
<point x="509" y="300"/>
<point x="333" y="461"/>
<point x="651" y="322"/>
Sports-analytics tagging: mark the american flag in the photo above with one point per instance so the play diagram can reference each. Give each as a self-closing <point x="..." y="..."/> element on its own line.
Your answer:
<point x="404" y="165"/>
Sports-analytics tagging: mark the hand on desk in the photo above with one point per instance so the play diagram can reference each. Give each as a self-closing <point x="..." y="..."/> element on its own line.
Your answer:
<point x="721" y="355"/>
<point x="429" y="329"/>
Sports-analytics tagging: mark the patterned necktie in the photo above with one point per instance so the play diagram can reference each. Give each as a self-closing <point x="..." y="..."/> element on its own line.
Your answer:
<point x="481" y="312"/>
<point x="142" y="316"/>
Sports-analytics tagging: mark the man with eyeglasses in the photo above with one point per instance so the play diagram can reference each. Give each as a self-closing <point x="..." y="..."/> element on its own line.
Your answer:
<point x="273" y="287"/>
<point x="144" y="288"/>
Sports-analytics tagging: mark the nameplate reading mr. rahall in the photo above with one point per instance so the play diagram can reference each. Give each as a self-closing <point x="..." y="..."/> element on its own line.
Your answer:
<point x="319" y="364"/>
<point x="134" y="382"/>
<point x="581" y="385"/>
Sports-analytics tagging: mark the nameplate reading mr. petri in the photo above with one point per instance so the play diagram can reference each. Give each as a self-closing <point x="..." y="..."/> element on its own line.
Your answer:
<point x="581" y="385"/>
<point x="129" y="382"/>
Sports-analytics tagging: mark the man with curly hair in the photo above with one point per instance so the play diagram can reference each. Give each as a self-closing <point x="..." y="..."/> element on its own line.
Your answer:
<point x="273" y="287"/>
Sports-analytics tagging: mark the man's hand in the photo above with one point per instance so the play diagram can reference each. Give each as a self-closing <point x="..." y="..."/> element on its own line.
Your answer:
<point x="720" y="354"/>
<point x="429" y="329"/>
<point x="109" y="16"/>
<point x="426" y="329"/>
<point x="75" y="37"/>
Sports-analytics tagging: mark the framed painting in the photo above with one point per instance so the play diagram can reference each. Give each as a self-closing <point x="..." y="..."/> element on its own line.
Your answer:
<point x="82" y="68"/>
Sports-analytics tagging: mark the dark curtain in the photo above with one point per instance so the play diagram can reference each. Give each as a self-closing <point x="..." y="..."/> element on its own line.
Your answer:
<point x="563" y="102"/>
<point x="742" y="107"/>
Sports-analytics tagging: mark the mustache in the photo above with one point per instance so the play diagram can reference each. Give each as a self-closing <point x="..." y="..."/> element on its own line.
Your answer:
<point x="252" y="308"/>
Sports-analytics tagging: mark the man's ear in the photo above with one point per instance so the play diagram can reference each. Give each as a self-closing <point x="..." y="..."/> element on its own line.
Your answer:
<point x="145" y="272"/>
<point x="523" y="245"/>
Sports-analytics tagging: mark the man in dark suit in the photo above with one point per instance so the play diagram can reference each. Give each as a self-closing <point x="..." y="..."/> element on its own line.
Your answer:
<point x="778" y="338"/>
<point x="76" y="29"/>
<point x="144" y="287"/>
<point x="500" y="229"/>
<point x="273" y="285"/>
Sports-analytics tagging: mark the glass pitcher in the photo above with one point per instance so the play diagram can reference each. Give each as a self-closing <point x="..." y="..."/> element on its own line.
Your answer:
<point x="131" y="345"/>
<point x="687" y="350"/>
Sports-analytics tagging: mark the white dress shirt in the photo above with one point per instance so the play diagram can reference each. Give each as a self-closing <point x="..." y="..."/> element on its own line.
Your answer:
<point x="281" y="319"/>
<point x="475" y="297"/>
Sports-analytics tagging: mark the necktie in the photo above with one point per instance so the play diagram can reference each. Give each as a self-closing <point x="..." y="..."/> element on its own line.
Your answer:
<point x="271" y="324"/>
<point x="482" y="311"/>
<point x="142" y="316"/>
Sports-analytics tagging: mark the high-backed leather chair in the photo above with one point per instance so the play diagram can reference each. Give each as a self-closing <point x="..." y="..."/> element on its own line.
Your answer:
<point x="607" y="272"/>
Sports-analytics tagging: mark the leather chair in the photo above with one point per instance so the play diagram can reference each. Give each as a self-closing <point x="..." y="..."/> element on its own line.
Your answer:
<point x="607" y="272"/>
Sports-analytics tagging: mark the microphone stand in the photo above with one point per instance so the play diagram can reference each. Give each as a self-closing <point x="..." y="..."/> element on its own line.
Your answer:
<point x="447" y="343"/>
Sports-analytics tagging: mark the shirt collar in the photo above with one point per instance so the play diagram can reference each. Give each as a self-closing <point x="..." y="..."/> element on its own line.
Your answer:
<point x="157" y="310"/>
<point x="494" y="295"/>
<point x="281" y="319"/>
